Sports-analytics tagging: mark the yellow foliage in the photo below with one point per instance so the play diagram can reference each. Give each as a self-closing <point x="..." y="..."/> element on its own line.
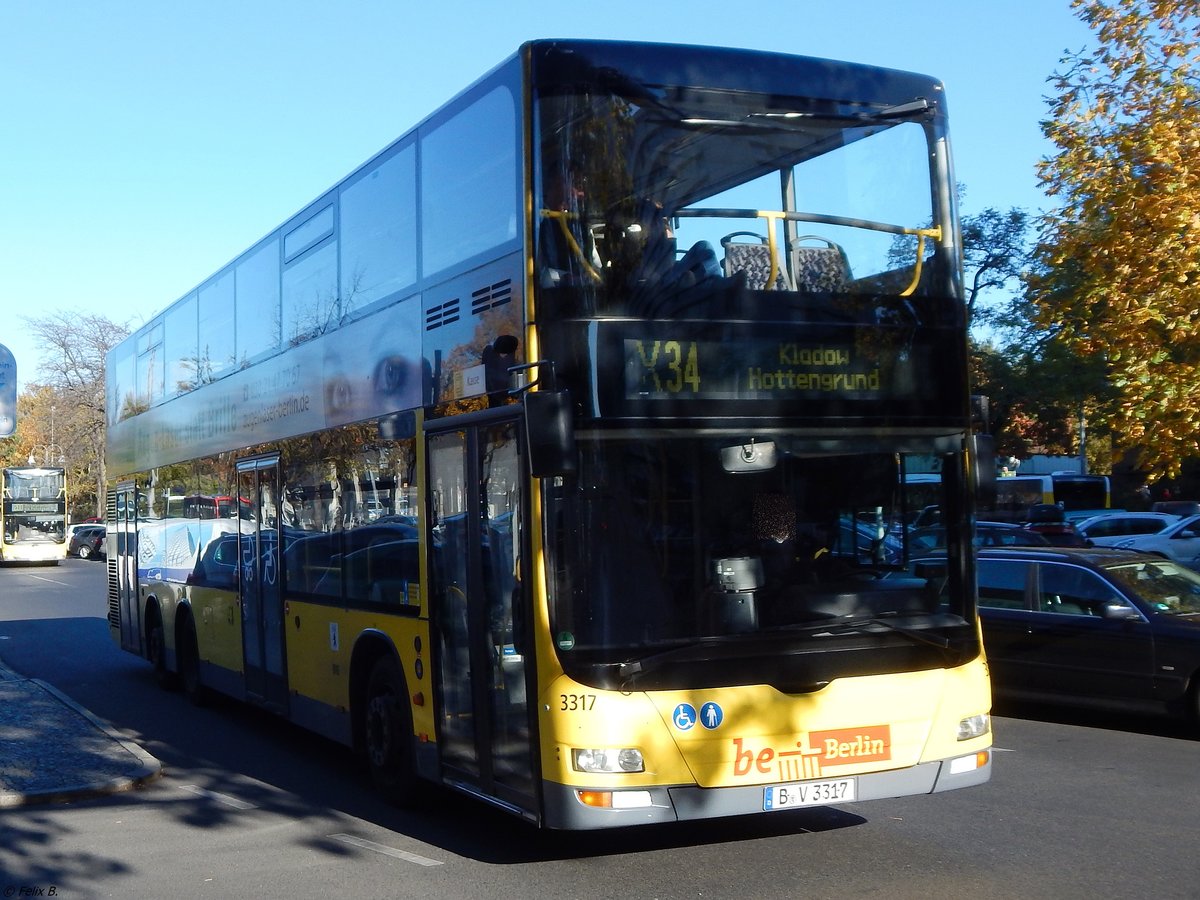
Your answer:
<point x="1120" y="255"/>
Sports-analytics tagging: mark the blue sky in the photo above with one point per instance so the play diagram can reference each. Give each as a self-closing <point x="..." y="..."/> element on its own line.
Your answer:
<point x="146" y="143"/>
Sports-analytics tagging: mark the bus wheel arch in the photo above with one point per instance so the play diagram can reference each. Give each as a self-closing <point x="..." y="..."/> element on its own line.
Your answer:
<point x="382" y="720"/>
<point x="187" y="655"/>
<point x="1192" y="701"/>
<point x="156" y="646"/>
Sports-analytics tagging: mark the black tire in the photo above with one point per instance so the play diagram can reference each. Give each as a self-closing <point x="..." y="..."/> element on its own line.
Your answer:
<point x="156" y="650"/>
<point x="84" y="551"/>
<point x="388" y="734"/>
<point x="188" y="653"/>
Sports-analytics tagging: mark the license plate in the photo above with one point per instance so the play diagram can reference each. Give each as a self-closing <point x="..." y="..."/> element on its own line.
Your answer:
<point x="808" y="793"/>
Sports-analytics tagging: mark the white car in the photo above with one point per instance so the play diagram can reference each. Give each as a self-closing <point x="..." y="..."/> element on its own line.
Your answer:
<point x="1108" y="529"/>
<point x="71" y="529"/>
<point x="1180" y="542"/>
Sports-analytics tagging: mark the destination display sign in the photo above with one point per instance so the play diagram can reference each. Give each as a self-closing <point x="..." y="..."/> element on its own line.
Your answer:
<point x="34" y="508"/>
<point x="749" y="368"/>
<point x="647" y="369"/>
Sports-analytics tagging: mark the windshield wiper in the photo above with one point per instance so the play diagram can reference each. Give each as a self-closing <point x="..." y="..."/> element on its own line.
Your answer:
<point x="857" y="624"/>
<point x="789" y="121"/>
<point x="904" y="110"/>
<point x="631" y="669"/>
<point x="627" y="671"/>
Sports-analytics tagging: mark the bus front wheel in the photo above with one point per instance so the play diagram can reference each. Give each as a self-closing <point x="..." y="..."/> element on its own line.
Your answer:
<point x="388" y="733"/>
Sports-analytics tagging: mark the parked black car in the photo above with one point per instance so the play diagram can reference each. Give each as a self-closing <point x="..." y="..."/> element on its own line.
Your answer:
<point x="1050" y="521"/>
<point x="1097" y="626"/>
<point x="87" y="542"/>
<point x="987" y="534"/>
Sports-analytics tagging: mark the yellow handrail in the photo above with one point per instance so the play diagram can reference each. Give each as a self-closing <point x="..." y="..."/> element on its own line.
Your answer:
<point x="561" y="217"/>
<point x="772" y="244"/>
<point x="921" y="233"/>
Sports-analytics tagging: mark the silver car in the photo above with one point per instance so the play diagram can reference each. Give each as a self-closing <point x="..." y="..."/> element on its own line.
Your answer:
<point x="1108" y="529"/>
<point x="1180" y="542"/>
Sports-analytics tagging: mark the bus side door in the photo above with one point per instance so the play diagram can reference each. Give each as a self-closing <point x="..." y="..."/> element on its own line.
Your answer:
<point x="260" y="582"/>
<point x="123" y="601"/>
<point x="477" y="502"/>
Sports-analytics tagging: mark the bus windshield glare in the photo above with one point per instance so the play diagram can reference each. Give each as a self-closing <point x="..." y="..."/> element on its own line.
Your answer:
<point x="651" y="203"/>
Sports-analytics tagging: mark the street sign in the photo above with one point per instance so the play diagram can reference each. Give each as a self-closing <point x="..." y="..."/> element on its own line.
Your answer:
<point x="8" y="392"/>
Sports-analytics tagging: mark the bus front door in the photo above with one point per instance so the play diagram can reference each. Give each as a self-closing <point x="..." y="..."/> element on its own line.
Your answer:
<point x="259" y="582"/>
<point x="477" y="504"/>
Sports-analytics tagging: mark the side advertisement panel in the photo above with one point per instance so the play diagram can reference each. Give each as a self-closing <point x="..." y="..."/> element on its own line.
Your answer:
<point x="371" y="367"/>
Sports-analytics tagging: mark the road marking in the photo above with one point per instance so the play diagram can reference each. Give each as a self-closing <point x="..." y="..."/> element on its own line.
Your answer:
<point x="386" y="851"/>
<point x="220" y="798"/>
<point x="51" y="580"/>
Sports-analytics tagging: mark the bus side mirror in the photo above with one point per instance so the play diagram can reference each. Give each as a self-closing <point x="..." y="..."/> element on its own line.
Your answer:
<point x="549" y="433"/>
<point x="982" y="451"/>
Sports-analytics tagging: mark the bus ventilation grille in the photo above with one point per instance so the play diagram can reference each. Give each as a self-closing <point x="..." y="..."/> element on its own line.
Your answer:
<point x="114" y="592"/>
<point x="491" y="296"/>
<point x="442" y="314"/>
<point x="114" y="596"/>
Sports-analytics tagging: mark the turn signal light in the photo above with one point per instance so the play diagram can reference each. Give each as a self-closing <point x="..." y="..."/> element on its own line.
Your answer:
<point x="615" y="799"/>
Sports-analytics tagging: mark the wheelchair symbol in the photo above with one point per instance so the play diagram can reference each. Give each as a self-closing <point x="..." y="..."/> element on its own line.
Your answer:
<point x="684" y="716"/>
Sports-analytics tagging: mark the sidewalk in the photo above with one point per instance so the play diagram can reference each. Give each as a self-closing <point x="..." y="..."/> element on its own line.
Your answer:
<point x="52" y="750"/>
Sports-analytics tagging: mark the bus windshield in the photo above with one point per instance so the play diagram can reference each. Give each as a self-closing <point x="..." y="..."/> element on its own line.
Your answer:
<point x="658" y="200"/>
<point x="761" y="539"/>
<point x="35" y="505"/>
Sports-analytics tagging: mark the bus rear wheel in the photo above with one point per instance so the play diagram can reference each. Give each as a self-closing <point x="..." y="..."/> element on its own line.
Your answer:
<point x="387" y="733"/>
<point x="156" y="649"/>
<point x="1193" y="706"/>
<point x="189" y="666"/>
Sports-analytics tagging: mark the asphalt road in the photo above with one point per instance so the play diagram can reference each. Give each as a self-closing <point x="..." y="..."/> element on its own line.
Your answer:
<point x="1080" y="806"/>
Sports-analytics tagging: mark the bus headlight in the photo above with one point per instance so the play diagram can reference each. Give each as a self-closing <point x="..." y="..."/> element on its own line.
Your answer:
<point x="974" y="726"/>
<point x="608" y="760"/>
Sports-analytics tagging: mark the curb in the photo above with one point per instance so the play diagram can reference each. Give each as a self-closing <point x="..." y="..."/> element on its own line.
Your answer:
<point x="145" y="769"/>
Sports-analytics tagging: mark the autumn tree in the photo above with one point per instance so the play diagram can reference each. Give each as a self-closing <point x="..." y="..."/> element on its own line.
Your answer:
<point x="996" y="250"/>
<point x="69" y="410"/>
<point x="1032" y="383"/>
<point x="1119" y="274"/>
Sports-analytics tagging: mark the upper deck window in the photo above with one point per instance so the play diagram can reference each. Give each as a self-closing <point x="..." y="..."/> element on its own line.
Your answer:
<point x="659" y="191"/>
<point x="310" y="297"/>
<point x="180" y="346"/>
<point x="120" y="378"/>
<point x="151" y="368"/>
<point x="470" y="179"/>
<point x="216" y="328"/>
<point x="257" y="288"/>
<point x="378" y="232"/>
<point x="313" y="230"/>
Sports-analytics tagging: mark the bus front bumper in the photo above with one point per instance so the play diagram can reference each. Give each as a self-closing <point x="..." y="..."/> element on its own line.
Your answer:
<point x="565" y="809"/>
<point x="33" y="551"/>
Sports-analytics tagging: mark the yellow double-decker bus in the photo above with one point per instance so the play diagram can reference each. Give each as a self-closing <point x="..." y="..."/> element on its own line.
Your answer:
<point x="566" y="436"/>
<point x="33" y="515"/>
